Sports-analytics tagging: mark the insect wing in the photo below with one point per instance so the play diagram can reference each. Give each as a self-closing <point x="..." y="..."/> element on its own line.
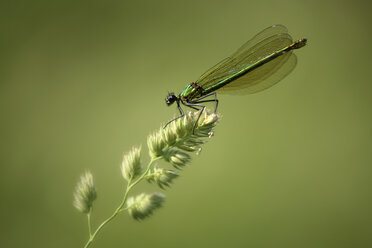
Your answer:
<point x="253" y="51"/>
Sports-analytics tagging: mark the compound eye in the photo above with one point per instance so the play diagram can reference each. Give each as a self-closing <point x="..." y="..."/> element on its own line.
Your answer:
<point x="168" y="101"/>
<point x="171" y="98"/>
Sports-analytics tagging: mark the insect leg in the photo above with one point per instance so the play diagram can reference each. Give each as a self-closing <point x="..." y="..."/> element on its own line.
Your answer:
<point x="193" y="105"/>
<point x="214" y="100"/>
<point x="181" y="112"/>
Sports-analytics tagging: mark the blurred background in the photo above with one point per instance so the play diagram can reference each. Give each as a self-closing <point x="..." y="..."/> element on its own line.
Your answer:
<point x="81" y="82"/>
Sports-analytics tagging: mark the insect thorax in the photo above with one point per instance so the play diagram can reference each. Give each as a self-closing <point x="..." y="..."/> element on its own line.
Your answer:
<point x="190" y="92"/>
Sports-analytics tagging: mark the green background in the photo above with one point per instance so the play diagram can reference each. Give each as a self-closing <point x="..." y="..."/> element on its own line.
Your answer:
<point x="81" y="82"/>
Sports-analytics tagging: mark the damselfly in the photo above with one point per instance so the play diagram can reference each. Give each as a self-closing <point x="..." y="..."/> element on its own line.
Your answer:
<point x="257" y="65"/>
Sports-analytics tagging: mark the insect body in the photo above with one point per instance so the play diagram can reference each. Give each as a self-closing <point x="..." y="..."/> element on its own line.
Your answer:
<point x="259" y="64"/>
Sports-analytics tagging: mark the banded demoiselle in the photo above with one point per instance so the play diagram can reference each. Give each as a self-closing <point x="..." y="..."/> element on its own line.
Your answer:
<point x="257" y="65"/>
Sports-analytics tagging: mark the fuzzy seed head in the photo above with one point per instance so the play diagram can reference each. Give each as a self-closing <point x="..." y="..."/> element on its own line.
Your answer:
<point x="144" y="205"/>
<point x="162" y="177"/>
<point x="177" y="158"/>
<point x="131" y="166"/>
<point x="85" y="193"/>
<point x="172" y="143"/>
<point x="156" y="144"/>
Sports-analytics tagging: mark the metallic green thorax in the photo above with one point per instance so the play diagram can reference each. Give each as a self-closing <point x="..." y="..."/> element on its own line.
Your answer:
<point x="189" y="93"/>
